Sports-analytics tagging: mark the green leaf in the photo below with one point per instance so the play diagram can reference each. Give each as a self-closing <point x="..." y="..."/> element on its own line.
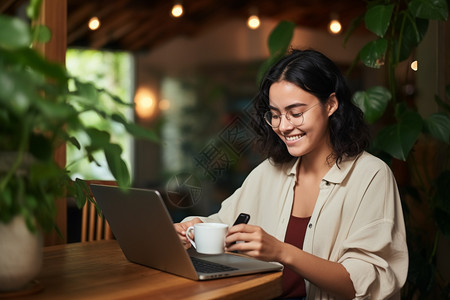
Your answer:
<point x="74" y="141"/>
<point x="265" y="66"/>
<point x="45" y="172"/>
<point x="438" y="125"/>
<point x="33" y="59"/>
<point x="55" y="111"/>
<point x="117" y="165"/>
<point x="41" y="33"/>
<point x="398" y="139"/>
<point x="445" y="106"/>
<point x="378" y="17"/>
<point x="87" y="90"/>
<point x="41" y="146"/>
<point x="429" y="9"/>
<point x="34" y="9"/>
<point x="280" y="37"/>
<point x="441" y="103"/>
<point x="135" y="130"/>
<point x="372" y="102"/>
<point x="414" y="30"/>
<point x="373" y="53"/>
<point x="115" y="98"/>
<point x="14" y="33"/>
<point x="99" y="138"/>
<point x="81" y="192"/>
<point x="278" y="43"/>
<point x="16" y="92"/>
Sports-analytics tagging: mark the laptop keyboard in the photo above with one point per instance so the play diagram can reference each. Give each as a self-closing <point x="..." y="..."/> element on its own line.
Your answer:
<point x="205" y="266"/>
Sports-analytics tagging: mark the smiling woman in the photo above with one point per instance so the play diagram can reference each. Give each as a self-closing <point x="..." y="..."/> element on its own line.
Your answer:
<point x="317" y="181"/>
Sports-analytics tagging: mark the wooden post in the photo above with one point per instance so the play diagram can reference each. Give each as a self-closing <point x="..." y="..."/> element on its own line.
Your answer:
<point x="54" y="16"/>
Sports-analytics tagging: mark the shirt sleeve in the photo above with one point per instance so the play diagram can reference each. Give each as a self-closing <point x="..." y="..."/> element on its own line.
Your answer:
<point x="375" y="252"/>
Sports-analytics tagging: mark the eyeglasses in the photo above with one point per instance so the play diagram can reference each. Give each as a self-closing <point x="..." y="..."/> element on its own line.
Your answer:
<point x="294" y="117"/>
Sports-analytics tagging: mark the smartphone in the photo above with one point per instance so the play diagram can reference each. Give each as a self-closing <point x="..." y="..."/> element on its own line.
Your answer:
<point x="242" y="219"/>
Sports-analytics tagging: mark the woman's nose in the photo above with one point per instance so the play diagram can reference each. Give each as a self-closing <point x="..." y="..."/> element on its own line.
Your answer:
<point x="285" y="124"/>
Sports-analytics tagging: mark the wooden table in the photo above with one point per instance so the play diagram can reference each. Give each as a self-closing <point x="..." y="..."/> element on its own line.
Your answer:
<point x="99" y="270"/>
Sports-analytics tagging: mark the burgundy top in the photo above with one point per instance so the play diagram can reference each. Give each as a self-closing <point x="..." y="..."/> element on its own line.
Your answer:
<point x="293" y="283"/>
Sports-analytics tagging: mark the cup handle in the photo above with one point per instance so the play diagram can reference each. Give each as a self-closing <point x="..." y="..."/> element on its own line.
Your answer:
<point x="187" y="235"/>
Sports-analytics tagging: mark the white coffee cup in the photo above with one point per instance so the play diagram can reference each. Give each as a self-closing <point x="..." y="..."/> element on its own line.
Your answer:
<point x="209" y="238"/>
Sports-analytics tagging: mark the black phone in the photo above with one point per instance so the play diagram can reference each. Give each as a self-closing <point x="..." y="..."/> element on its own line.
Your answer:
<point x="242" y="219"/>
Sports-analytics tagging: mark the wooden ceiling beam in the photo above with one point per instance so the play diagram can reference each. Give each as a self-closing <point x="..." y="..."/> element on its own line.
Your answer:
<point x="146" y="25"/>
<point x="143" y="34"/>
<point x="79" y="23"/>
<point x="184" y="27"/>
<point x="113" y="29"/>
<point x="7" y="5"/>
<point x="142" y="24"/>
<point x="79" y="15"/>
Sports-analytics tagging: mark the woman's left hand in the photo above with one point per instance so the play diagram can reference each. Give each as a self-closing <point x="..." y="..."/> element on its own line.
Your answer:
<point x="255" y="242"/>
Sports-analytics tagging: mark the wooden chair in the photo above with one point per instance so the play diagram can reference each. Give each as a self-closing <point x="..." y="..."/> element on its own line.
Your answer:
<point x="93" y="226"/>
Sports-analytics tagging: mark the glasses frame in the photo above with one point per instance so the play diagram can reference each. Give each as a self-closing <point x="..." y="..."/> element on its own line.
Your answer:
<point x="286" y="115"/>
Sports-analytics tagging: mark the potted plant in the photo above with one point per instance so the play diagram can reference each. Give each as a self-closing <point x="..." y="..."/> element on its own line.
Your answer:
<point x="38" y="110"/>
<point x="403" y="137"/>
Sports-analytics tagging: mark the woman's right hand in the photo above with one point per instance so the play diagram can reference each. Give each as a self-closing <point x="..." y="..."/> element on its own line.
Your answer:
<point x="181" y="228"/>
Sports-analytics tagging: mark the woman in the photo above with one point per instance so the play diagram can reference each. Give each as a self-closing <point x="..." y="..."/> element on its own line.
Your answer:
<point x="319" y="204"/>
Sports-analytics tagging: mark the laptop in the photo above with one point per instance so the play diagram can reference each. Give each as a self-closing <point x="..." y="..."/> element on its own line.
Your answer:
<point x="144" y="230"/>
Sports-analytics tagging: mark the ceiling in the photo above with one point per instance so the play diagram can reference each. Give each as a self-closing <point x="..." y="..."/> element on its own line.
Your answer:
<point x="140" y="25"/>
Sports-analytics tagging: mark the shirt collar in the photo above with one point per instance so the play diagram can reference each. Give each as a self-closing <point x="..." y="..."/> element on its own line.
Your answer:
<point x="291" y="168"/>
<point x="338" y="174"/>
<point x="335" y="174"/>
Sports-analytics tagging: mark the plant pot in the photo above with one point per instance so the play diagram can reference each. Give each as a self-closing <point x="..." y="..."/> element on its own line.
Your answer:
<point x="20" y="255"/>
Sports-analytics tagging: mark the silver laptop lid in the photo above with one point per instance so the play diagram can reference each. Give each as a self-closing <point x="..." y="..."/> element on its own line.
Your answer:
<point x="156" y="243"/>
<point x="144" y="229"/>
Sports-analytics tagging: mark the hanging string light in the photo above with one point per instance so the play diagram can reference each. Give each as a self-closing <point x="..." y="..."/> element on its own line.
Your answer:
<point x="177" y="9"/>
<point x="334" y="27"/>
<point x="253" y="21"/>
<point x="94" y="23"/>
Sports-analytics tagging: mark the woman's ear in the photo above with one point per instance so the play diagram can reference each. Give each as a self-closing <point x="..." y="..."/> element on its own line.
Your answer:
<point x="332" y="104"/>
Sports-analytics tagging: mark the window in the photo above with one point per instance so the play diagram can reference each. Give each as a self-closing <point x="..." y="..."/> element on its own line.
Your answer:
<point x="112" y="71"/>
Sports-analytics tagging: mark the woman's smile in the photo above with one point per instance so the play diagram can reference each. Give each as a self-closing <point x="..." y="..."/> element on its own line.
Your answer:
<point x="294" y="138"/>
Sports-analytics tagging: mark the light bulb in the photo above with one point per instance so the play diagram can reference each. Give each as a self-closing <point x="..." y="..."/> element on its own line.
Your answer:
<point x="94" y="23"/>
<point x="177" y="10"/>
<point x="335" y="26"/>
<point x="415" y="65"/>
<point x="253" y="22"/>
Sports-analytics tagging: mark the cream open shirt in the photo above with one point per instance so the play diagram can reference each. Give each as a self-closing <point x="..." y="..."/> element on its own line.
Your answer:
<point x="357" y="220"/>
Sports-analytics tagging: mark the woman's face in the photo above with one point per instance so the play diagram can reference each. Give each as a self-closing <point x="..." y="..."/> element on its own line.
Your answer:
<point x="313" y="134"/>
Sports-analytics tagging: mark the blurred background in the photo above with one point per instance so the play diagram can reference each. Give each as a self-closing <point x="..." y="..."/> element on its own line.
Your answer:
<point x="189" y="69"/>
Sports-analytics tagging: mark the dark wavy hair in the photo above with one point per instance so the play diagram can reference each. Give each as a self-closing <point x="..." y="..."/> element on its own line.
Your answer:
<point x="316" y="74"/>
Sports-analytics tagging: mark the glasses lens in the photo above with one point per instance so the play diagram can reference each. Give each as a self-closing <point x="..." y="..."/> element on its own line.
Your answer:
<point x="296" y="118"/>
<point x="274" y="122"/>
